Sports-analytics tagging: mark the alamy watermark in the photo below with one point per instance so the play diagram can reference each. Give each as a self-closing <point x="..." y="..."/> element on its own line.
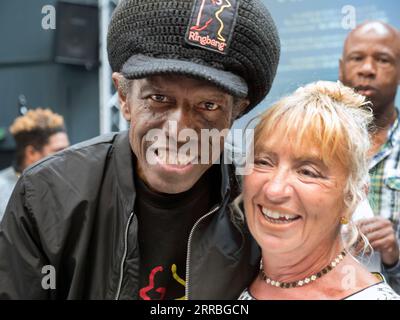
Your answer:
<point x="191" y="147"/>
<point x="49" y="19"/>
<point x="49" y="278"/>
<point x="349" y="20"/>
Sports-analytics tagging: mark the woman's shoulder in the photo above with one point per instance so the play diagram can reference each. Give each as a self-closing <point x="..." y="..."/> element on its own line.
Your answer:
<point x="377" y="291"/>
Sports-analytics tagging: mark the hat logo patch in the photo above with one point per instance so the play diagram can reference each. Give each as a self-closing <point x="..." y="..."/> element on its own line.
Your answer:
<point x="212" y="23"/>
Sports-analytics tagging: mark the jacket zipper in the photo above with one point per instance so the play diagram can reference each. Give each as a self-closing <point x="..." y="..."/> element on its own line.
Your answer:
<point x="188" y="247"/>
<point x="121" y="275"/>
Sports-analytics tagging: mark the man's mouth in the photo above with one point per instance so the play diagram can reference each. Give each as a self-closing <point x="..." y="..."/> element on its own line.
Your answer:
<point x="365" y="90"/>
<point x="173" y="158"/>
<point x="278" y="217"/>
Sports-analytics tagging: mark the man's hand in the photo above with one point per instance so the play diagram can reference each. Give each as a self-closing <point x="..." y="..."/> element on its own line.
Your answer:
<point x="382" y="237"/>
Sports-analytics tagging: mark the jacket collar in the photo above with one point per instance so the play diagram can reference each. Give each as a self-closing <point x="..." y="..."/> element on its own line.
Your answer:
<point x="124" y="166"/>
<point x="230" y="187"/>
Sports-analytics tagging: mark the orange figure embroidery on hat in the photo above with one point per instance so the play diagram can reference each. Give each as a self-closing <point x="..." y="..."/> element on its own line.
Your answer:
<point x="198" y="27"/>
<point x="201" y="27"/>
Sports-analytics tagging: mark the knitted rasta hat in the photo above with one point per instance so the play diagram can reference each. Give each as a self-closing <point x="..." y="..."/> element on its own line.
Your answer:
<point x="233" y="44"/>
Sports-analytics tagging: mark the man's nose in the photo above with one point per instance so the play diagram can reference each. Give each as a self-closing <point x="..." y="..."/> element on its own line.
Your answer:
<point x="178" y="119"/>
<point x="278" y="189"/>
<point x="367" y="68"/>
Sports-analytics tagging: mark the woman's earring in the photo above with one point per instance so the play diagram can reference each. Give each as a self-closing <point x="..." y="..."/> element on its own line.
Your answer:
<point x="344" y="220"/>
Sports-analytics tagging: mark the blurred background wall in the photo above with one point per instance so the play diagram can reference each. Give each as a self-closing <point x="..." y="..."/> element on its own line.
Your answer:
<point x="312" y="33"/>
<point x="27" y="67"/>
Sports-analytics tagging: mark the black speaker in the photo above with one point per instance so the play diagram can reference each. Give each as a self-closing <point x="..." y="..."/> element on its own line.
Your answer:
<point x="77" y="34"/>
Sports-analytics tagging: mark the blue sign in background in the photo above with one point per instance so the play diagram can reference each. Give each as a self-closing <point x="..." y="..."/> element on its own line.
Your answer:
<point x="312" y="34"/>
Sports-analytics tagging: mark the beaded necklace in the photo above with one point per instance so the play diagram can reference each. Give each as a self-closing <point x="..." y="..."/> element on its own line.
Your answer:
<point x="307" y="280"/>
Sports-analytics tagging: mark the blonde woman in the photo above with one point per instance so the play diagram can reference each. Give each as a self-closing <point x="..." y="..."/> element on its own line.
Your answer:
<point x="310" y="172"/>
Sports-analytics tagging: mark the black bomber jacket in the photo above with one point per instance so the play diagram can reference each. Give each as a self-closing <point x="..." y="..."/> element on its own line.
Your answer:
<point x="74" y="212"/>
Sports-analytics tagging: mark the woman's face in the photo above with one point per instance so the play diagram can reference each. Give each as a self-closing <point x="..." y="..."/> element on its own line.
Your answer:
<point x="293" y="201"/>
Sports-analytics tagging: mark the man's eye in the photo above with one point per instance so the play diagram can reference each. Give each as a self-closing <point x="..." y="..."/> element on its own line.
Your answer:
<point x="210" y="106"/>
<point x="383" y="60"/>
<point x="158" y="98"/>
<point x="355" y="58"/>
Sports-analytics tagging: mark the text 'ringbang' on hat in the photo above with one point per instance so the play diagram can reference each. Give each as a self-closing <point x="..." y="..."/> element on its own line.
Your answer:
<point x="231" y="43"/>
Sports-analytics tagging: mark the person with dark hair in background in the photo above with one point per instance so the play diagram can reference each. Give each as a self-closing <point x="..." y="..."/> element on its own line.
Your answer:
<point x="37" y="134"/>
<point x="371" y="64"/>
<point x="119" y="217"/>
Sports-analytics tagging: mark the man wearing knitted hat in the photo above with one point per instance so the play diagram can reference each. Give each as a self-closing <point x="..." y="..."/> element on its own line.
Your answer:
<point x="128" y="215"/>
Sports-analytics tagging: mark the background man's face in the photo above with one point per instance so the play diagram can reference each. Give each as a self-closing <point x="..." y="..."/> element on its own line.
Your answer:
<point x="57" y="142"/>
<point x="371" y="65"/>
<point x="187" y="103"/>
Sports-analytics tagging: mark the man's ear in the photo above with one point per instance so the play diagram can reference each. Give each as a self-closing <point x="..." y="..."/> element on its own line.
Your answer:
<point x="341" y="70"/>
<point x="122" y="95"/>
<point x="240" y="106"/>
<point x="31" y="155"/>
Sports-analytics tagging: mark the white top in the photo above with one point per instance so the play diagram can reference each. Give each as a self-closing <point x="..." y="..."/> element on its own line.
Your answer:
<point x="8" y="180"/>
<point x="371" y="262"/>
<point x="378" y="291"/>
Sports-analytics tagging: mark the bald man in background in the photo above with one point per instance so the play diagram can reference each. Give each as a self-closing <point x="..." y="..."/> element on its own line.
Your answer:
<point x="371" y="65"/>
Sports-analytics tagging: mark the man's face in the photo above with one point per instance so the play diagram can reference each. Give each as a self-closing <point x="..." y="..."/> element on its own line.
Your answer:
<point x="172" y="106"/>
<point x="371" y="65"/>
<point x="57" y="142"/>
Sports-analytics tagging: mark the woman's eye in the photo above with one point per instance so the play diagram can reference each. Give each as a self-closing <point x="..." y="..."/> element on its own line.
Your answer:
<point x="158" y="98"/>
<point x="309" y="173"/>
<point x="263" y="162"/>
<point x="210" y="106"/>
